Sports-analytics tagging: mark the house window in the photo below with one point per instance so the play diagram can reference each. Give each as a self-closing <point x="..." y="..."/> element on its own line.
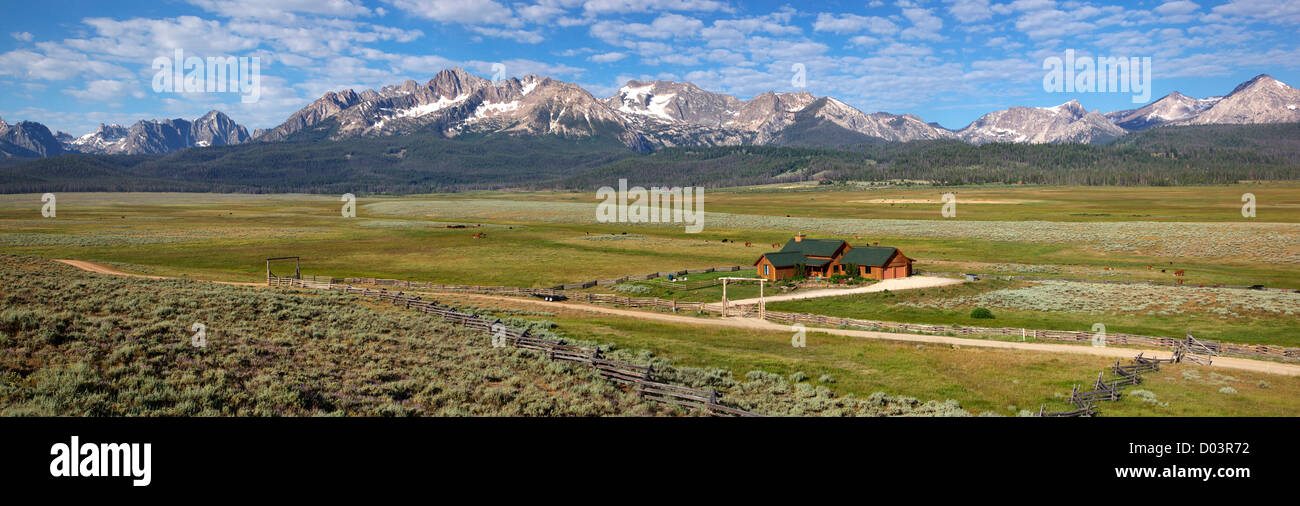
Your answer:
<point x="765" y="271"/>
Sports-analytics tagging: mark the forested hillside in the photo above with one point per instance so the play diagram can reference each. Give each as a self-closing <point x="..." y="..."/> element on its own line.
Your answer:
<point x="426" y="162"/>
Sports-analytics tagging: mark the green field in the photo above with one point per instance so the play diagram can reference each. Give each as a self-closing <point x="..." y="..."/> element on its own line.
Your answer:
<point x="542" y="239"/>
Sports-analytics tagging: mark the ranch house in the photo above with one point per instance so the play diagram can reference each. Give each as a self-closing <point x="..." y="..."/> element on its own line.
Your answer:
<point x="821" y="258"/>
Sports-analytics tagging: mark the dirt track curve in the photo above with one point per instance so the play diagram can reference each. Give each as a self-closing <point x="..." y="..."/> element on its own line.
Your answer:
<point x="1242" y="364"/>
<point x="103" y="269"/>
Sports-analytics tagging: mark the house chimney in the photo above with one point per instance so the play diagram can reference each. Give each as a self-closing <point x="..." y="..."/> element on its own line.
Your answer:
<point x="798" y="237"/>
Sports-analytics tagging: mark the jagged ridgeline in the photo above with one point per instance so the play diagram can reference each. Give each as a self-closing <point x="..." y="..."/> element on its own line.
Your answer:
<point x="427" y="161"/>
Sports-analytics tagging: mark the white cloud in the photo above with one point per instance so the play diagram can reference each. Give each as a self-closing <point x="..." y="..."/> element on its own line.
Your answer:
<point x="967" y="11"/>
<point x="925" y="25"/>
<point x="667" y="26"/>
<point x="607" y="57"/>
<point x="1047" y="23"/>
<point x="22" y="36"/>
<point x="853" y="23"/>
<point x="1273" y="11"/>
<point x="677" y="25"/>
<point x="592" y="7"/>
<point x="105" y="91"/>
<point x="1177" y="7"/>
<point x="269" y="8"/>
<point x="863" y="40"/>
<point x="458" y="11"/>
<point x="52" y="62"/>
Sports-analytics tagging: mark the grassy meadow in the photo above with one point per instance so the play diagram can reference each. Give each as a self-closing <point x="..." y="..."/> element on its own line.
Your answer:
<point x="540" y="239"/>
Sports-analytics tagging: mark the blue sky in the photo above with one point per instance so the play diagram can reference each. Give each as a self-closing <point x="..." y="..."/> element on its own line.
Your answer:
<point x="73" y="65"/>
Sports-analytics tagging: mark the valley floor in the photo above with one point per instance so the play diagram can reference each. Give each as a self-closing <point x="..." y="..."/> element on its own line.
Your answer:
<point x="546" y="239"/>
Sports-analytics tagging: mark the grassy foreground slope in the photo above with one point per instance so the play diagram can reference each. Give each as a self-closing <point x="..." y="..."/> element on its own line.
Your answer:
<point x="74" y="343"/>
<point x="79" y="344"/>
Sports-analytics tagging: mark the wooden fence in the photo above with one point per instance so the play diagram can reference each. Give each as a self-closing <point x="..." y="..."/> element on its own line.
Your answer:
<point x="641" y="378"/>
<point x="1109" y="281"/>
<point x="1075" y="336"/>
<point x="1104" y="389"/>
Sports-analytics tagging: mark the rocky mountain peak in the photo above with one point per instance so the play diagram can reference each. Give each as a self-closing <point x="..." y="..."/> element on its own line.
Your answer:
<point x="1259" y="100"/>
<point x="31" y="136"/>
<point x="1067" y="122"/>
<point x="1259" y="80"/>
<point x="454" y="82"/>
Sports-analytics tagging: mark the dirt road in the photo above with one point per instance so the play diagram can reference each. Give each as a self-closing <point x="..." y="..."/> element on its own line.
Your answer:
<point x="103" y="269"/>
<point x="893" y="285"/>
<point x="756" y="324"/>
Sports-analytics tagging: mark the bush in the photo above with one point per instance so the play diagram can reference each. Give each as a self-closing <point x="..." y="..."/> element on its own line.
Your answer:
<point x="631" y="288"/>
<point x="981" y="312"/>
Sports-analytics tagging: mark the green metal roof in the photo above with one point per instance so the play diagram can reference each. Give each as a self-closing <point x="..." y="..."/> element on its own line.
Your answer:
<point x="814" y="247"/>
<point x="817" y="262"/>
<point x="874" y="256"/>
<point x="785" y="258"/>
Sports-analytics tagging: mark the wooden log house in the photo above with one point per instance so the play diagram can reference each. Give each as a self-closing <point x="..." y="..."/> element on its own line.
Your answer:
<point x="822" y="258"/>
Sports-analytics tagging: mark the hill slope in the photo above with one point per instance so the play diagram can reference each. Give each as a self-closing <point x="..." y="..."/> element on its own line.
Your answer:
<point x="814" y="150"/>
<point x="123" y="349"/>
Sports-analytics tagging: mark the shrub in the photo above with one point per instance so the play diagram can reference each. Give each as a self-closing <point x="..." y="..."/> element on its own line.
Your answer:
<point x="631" y="288"/>
<point x="981" y="312"/>
<point x="1148" y="397"/>
<point x="1228" y="391"/>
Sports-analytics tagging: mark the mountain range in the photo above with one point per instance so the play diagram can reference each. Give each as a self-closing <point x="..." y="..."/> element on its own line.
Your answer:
<point x="145" y="137"/>
<point x="645" y="115"/>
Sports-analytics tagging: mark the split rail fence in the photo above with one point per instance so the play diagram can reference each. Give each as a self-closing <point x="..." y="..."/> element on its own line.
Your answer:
<point x="1111" y="390"/>
<point x="640" y="378"/>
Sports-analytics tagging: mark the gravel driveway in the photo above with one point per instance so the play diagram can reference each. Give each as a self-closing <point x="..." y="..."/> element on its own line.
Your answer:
<point x="893" y="285"/>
